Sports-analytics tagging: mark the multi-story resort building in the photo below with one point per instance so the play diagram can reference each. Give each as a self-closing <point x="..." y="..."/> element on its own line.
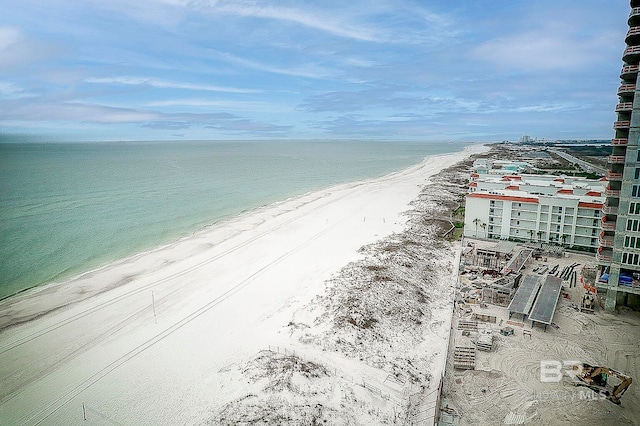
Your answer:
<point x="619" y="248"/>
<point x="536" y="208"/>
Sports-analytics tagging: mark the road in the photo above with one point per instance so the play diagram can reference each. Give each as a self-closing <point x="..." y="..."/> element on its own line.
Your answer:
<point x="583" y="164"/>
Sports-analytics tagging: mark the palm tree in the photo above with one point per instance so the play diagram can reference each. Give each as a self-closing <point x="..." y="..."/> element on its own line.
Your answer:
<point x="484" y="228"/>
<point x="476" y="221"/>
<point x="531" y="234"/>
<point x="539" y="234"/>
<point x="564" y="238"/>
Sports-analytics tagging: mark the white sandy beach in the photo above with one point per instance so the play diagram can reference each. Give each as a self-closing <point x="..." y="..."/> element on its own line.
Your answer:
<point x="148" y="340"/>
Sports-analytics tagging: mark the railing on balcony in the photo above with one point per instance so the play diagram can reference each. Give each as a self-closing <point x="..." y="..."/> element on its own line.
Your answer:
<point x="603" y="257"/>
<point x="614" y="175"/>
<point x="624" y="107"/>
<point x="633" y="31"/>
<point x="624" y="124"/>
<point x="608" y="226"/>
<point x="609" y="209"/>
<point x="629" y="70"/>
<point x="627" y="88"/>
<point x="617" y="159"/>
<point x="634" y="12"/>
<point x="606" y="241"/>
<point x="631" y="50"/>
<point x="612" y="192"/>
<point x="619" y="141"/>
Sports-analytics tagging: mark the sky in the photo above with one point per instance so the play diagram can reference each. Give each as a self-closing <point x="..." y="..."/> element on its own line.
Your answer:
<point x="430" y="70"/>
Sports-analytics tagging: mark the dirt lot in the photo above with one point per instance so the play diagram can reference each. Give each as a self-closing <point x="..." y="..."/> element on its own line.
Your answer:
<point x="505" y="386"/>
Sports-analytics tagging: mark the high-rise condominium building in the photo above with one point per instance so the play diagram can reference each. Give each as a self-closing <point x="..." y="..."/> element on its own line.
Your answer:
<point x="619" y="241"/>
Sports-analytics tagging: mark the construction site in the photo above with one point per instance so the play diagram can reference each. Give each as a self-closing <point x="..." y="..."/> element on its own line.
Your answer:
<point x="531" y="342"/>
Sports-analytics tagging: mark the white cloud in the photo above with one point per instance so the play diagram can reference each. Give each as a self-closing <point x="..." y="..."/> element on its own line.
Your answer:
<point x="546" y="48"/>
<point x="10" y="90"/>
<point x="222" y="104"/>
<point x="313" y="19"/>
<point x="164" y="84"/>
<point x="17" y="49"/>
<point x="307" y="71"/>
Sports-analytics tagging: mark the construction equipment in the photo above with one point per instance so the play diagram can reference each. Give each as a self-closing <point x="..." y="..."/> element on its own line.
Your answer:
<point x="588" y="302"/>
<point x="597" y="379"/>
<point x="506" y="331"/>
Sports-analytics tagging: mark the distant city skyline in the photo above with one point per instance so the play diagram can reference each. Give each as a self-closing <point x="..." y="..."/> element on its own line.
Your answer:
<point x="216" y="69"/>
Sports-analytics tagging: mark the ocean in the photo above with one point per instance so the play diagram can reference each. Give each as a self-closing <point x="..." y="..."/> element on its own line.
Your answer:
<point x="66" y="208"/>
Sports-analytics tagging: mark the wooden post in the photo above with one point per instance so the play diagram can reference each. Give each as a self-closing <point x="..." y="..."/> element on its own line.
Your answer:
<point x="84" y="413"/>
<point x="153" y="302"/>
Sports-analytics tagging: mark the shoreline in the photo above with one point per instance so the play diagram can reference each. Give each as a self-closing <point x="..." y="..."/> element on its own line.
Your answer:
<point x="60" y="243"/>
<point x="256" y="270"/>
<point x="47" y="287"/>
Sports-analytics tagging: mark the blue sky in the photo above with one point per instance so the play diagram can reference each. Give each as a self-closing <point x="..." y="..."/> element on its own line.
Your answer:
<point x="384" y="69"/>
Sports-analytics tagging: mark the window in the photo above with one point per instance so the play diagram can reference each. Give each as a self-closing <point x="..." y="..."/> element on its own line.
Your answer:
<point x="633" y="225"/>
<point x="636" y="174"/>
<point x="634" y="208"/>
<point x="632" y="242"/>
<point x="635" y="190"/>
<point x="638" y="158"/>
<point x="631" y="258"/>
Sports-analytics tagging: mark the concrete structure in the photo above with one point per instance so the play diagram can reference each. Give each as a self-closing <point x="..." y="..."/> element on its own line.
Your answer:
<point x="619" y="249"/>
<point x="540" y="208"/>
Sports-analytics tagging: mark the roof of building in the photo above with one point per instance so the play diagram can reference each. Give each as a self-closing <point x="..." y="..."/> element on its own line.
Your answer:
<point x="531" y="188"/>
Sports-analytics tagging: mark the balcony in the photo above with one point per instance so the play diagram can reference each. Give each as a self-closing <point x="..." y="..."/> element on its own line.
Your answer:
<point x="631" y="54"/>
<point x="624" y="124"/>
<point x="609" y="210"/>
<point x="629" y="71"/>
<point x="606" y="241"/>
<point x="607" y="225"/>
<point x="603" y="258"/>
<point x="614" y="175"/>
<point x="619" y="141"/>
<point x="634" y="15"/>
<point x="612" y="192"/>
<point x="633" y="35"/>
<point x="624" y="107"/>
<point x="627" y="89"/>
<point x="616" y="159"/>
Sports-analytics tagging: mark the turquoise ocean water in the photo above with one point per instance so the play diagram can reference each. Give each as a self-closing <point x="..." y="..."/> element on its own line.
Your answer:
<point x="69" y="207"/>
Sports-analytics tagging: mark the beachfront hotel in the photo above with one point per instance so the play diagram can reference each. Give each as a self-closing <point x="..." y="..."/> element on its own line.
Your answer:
<point x="535" y="208"/>
<point x="619" y="248"/>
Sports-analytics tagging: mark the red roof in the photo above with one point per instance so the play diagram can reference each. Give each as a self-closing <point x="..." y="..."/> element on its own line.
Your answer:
<point x="590" y="205"/>
<point x="594" y="194"/>
<point x="503" y="197"/>
<point x="565" y="191"/>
